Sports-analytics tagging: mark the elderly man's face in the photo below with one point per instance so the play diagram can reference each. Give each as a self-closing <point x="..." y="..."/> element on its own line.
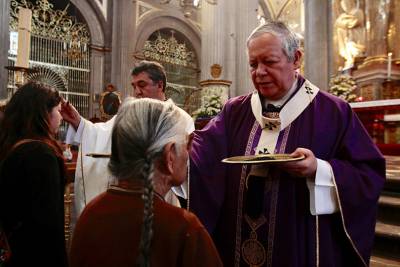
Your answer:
<point x="271" y="72"/>
<point x="143" y="86"/>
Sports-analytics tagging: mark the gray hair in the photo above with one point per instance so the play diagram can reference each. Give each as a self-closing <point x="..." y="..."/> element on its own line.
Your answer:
<point x="289" y="39"/>
<point x="142" y="128"/>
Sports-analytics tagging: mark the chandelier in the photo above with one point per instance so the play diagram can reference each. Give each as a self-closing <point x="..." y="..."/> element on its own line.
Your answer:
<point x="189" y="5"/>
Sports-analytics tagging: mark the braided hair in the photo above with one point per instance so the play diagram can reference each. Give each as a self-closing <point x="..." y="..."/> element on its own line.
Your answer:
<point x="142" y="128"/>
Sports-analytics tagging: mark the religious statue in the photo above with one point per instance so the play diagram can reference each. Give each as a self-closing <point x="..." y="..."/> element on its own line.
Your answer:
<point x="350" y="32"/>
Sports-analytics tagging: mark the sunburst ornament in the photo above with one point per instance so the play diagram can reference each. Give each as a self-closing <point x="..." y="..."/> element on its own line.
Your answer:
<point x="49" y="77"/>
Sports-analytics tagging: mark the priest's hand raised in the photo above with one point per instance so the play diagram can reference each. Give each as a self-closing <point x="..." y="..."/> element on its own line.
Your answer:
<point x="70" y="114"/>
<point x="306" y="167"/>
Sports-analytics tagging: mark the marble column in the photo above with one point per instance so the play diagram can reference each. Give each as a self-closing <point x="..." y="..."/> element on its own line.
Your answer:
<point x="124" y="13"/>
<point x="5" y="37"/>
<point x="225" y="28"/>
<point x="216" y="45"/>
<point x="245" y="22"/>
<point x="96" y="78"/>
<point x="317" y="42"/>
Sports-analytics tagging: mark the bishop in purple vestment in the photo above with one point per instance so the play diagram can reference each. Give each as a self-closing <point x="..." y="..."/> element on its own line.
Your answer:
<point x="318" y="211"/>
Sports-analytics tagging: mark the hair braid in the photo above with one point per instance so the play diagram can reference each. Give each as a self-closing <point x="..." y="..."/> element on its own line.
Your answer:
<point x="147" y="226"/>
<point x="141" y="130"/>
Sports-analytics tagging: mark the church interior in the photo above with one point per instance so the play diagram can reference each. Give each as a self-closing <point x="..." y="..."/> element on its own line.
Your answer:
<point x="87" y="48"/>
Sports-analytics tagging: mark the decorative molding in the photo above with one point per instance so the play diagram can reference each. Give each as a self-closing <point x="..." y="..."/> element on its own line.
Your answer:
<point x="170" y="51"/>
<point x="375" y="103"/>
<point x="100" y="48"/>
<point x="142" y="9"/>
<point x="215" y="82"/>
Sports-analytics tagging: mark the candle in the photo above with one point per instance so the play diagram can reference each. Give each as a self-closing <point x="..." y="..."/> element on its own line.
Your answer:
<point x="389" y="65"/>
<point x="24" y="37"/>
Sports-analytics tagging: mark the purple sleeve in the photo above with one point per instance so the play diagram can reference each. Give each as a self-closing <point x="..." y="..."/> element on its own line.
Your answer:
<point x="207" y="174"/>
<point x="359" y="170"/>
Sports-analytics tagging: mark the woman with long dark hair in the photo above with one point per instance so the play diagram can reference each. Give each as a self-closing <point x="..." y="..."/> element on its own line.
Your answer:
<point x="32" y="177"/>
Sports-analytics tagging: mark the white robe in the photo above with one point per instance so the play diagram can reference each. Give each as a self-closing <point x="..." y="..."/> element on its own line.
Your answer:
<point x="92" y="176"/>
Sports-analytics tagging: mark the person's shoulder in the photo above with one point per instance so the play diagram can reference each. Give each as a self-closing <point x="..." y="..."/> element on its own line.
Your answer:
<point x="333" y="101"/>
<point x="238" y="103"/>
<point x="95" y="203"/>
<point x="184" y="113"/>
<point x="181" y="218"/>
<point x="33" y="155"/>
<point x="239" y="100"/>
<point x="35" y="147"/>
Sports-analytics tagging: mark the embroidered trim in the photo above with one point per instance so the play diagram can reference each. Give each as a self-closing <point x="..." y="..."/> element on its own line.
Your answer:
<point x="343" y="222"/>
<point x="317" y="240"/>
<point x="274" y="201"/>
<point x="83" y="178"/>
<point x="252" y="250"/>
<point x="239" y="216"/>
<point x="188" y="186"/>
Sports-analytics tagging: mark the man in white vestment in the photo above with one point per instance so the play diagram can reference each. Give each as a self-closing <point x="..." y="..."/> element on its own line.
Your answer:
<point x="92" y="176"/>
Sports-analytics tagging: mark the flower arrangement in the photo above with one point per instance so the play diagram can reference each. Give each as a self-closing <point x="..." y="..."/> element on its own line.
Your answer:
<point x="343" y="86"/>
<point x="211" y="106"/>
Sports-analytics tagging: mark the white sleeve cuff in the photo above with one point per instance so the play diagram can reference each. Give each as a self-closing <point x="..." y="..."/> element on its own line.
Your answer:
<point x="79" y="132"/>
<point x="323" y="199"/>
<point x="69" y="138"/>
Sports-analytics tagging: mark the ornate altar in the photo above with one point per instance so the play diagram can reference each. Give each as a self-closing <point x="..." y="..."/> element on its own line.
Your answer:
<point x="367" y="46"/>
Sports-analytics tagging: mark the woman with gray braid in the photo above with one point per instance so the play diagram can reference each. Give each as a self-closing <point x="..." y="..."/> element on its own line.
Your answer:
<point x="131" y="224"/>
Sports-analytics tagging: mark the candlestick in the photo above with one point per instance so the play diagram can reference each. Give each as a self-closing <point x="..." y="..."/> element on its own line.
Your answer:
<point x="389" y="65"/>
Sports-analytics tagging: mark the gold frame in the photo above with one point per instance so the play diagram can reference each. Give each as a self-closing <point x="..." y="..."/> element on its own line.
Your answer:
<point x="103" y="114"/>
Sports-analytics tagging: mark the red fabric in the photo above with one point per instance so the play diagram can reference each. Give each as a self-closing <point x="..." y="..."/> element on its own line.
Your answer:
<point x="108" y="234"/>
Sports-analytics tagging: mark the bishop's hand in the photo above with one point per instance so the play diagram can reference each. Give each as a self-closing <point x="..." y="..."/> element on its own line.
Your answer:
<point x="306" y="167"/>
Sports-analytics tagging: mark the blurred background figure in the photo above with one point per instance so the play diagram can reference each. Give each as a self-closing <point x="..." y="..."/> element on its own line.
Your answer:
<point x="110" y="100"/>
<point x="131" y="223"/>
<point x="32" y="177"/>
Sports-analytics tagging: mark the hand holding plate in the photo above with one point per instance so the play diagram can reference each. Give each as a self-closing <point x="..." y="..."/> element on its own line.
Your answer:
<point x="306" y="167"/>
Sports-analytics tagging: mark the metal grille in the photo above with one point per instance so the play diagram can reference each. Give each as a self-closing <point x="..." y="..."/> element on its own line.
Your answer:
<point x="51" y="52"/>
<point x="174" y="51"/>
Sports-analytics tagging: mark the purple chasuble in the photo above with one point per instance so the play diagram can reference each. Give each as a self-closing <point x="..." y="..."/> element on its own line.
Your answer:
<point x="288" y="233"/>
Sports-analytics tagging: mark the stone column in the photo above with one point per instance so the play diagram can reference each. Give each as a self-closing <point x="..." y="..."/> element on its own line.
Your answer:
<point x="124" y="13"/>
<point x="245" y="22"/>
<point x="318" y="42"/>
<point x="96" y="78"/>
<point x="225" y="28"/>
<point x="5" y="37"/>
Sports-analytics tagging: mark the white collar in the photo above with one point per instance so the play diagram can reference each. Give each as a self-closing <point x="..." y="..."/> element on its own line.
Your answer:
<point x="294" y="107"/>
<point x="280" y="102"/>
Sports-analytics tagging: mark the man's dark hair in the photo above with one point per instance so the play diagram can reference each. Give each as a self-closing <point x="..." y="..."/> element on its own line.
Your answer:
<point x="154" y="69"/>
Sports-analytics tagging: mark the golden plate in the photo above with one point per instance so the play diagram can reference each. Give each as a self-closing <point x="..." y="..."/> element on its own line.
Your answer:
<point x="262" y="158"/>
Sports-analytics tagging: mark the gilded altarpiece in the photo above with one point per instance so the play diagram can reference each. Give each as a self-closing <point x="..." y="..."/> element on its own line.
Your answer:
<point x="59" y="51"/>
<point x="175" y="53"/>
<point x="366" y="46"/>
